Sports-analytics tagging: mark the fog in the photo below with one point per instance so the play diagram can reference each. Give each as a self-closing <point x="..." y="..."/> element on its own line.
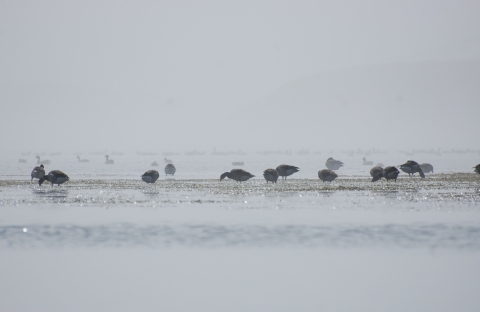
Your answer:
<point x="183" y="75"/>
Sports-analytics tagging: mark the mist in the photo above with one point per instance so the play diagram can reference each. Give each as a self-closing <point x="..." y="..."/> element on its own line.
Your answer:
<point x="96" y="75"/>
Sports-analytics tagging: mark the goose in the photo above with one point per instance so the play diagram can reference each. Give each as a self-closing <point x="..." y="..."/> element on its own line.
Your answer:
<point x="238" y="175"/>
<point x="82" y="160"/>
<point x="170" y="169"/>
<point x="367" y="163"/>
<point x="54" y="177"/>
<point x="411" y="167"/>
<point x="477" y="169"/>
<point x="390" y="173"/>
<point x="22" y="161"/>
<point x="271" y="175"/>
<point x="150" y="176"/>
<point x="285" y="170"/>
<point x="108" y="161"/>
<point x="327" y="175"/>
<point x="167" y="161"/>
<point x="426" y="167"/>
<point x="376" y="173"/>
<point x="333" y="164"/>
<point x="46" y="162"/>
<point x="154" y="164"/>
<point x="38" y="172"/>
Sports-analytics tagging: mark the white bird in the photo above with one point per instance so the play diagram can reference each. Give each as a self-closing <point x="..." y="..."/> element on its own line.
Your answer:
<point x="82" y="160"/>
<point x="367" y="163"/>
<point x="108" y="161"/>
<point x="333" y="164"/>
<point x="46" y="162"/>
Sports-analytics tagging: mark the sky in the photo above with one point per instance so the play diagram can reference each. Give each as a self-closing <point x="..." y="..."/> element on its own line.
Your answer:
<point x="158" y="75"/>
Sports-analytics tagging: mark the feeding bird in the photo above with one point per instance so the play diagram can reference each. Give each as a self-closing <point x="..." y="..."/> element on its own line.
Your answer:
<point x="285" y="170"/>
<point x="376" y="173"/>
<point x="238" y="175"/>
<point x="411" y="167"/>
<point x="477" y="169"/>
<point x="271" y="175"/>
<point x="54" y="177"/>
<point x="426" y="167"/>
<point x="390" y="173"/>
<point x="327" y="175"/>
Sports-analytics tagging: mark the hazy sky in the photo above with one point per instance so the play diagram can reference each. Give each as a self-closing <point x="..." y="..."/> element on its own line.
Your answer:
<point x="158" y="75"/>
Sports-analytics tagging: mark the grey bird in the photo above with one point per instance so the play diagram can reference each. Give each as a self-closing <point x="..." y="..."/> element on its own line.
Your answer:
<point x="426" y="167"/>
<point x="170" y="169"/>
<point x="327" y="175"/>
<point x="477" y="169"/>
<point x="333" y="164"/>
<point x="150" y="176"/>
<point x="54" y="177"/>
<point x="376" y="173"/>
<point x="367" y="162"/>
<point x="411" y="167"/>
<point x="46" y="162"/>
<point x="391" y="173"/>
<point x="271" y="175"/>
<point x="38" y="172"/>
<point x="238" y="175"/>
<point x="285" y="170"/>
<point x="108" y="161"/>
<point x="82" y="160"/>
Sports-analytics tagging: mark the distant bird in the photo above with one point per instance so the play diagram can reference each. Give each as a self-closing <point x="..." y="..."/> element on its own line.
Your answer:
<point x="411" y="167"/>
<point x="170" y="169"/>
<point x="367" y="163"/>
<point x="379" y="165"/>
<point x="46" y="162"/>
<point x="327" y="175"/>
<point x="22" y="161"/>
<point x="376" y="173"/>
<point x="426" y="167"/>
<point x="271" y="175"/>
<point x="150" y="176"/>
<point x="238" y="175"/>
<point x="167" y="161"/>
<point x="154" y="164"/>
<point x="54" y="177"/>
<point x="82" y="160"/>
<point x="285" y="170"/>
<point x="333" y="164"/>
<point x="390" y="173"/>
<point x="237" y="163"/>
<point x="477" y="169"/>
<point x="108" y="161"/>
<point x="38" y="172"/>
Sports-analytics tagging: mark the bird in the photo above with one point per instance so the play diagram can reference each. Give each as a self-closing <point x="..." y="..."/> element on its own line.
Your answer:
<point x="108" y="161"/>
<point x="154" y="164"/>
<point x="477" y="169"/>
<point x="367" y="163"/>
<point x="333" y="164"/>
<point x="170" y="169"/>
<point x="271" y="175"/>
<point x="167" y="161"/>
<point x="327" y="175"/>
<point x="82" y="160"/>
<point x="411" y="167"/>
<point x="426" y="167"/>
<point x="150" y="176"/>
<point x="54" y="177"/>
<point x="390" y="173"/>
<point x="38" y="172"/>
<point x="46" y="162"/>
<point x="238" y="175"/>
<point x="376" y="173"/>
<point x="22" y="160"/>
<point x="285" y="170"/>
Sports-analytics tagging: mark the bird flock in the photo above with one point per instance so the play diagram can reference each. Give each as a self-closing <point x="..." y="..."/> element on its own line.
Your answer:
<point x="271" y="175"/>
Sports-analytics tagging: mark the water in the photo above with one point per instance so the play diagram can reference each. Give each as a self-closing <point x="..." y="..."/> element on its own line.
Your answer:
<point x="191" y="242"/>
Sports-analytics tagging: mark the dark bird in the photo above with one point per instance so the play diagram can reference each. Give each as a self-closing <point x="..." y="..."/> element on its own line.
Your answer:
<point x="333" y="164"/>
<point x="477" y="169"/>
<point x="411" y="167"/>
<point x="376" y="173"/>
<point x="327" y="175"/>
<point x="390" y="173"/>
<point x="38" y="172"/>
<point x="271" y="175"/>
<point x="170" y="169"/>
<point x="54" y="177"/>
<point x="285" y="170"/>
<point x="108" y="161"/>
<point x="46" y="162"/>
<point x="238" y="175"/>
<point x="150" y="176"/>
<point x="426" y="168"/>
